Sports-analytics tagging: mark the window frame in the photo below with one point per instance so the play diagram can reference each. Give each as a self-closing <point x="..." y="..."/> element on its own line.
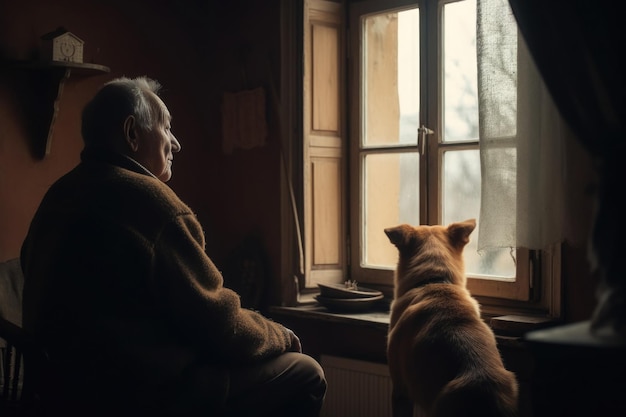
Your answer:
<point x="543" y="286"/>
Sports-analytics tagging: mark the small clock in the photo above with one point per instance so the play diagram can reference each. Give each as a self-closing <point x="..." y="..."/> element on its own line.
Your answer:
<point x="63" y="46"/>
<point x="68" y="49"/>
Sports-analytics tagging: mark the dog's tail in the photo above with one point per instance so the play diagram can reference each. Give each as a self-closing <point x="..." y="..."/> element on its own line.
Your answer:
<point x="479" y="396"/>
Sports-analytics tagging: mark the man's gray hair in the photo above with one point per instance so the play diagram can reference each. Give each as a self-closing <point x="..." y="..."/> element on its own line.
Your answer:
<point x="103" y="117"/>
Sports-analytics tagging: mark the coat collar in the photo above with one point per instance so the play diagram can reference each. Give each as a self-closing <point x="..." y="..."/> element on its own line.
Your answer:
<point x="103" y="155"/>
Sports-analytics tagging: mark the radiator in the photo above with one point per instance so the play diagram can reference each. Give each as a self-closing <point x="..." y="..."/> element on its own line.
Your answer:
<point x="356" y="388"/>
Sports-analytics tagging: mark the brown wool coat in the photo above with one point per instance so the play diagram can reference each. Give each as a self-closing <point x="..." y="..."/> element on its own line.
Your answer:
<point x="118" y="284"/>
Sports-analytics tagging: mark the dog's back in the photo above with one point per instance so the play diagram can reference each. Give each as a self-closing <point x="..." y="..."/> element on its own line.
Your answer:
<point x="441" y="355"/>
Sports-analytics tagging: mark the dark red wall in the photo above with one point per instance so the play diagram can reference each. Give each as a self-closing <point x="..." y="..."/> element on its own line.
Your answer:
<point x="197" y="50"/>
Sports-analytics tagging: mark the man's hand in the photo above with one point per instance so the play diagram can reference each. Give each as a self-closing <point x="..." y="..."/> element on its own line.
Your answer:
<point x="295" y="342"/>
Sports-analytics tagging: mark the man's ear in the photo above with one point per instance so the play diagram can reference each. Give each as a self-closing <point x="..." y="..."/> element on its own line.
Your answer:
<point x="130" y="133"/>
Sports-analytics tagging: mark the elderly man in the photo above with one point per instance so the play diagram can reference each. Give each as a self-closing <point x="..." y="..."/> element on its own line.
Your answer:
<point x="119" y="287"/>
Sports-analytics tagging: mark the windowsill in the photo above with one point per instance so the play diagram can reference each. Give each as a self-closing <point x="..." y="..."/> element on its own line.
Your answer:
<point x="374" y="318"/>
<point x="509" y="329"/>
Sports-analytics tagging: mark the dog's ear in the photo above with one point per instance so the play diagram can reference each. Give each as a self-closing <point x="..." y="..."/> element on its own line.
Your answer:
<point x="459" y="232"/>
<point x="398" y="235"/>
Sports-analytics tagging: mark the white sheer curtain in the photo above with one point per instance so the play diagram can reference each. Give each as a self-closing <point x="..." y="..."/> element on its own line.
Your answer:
<point x="521" y="140"/>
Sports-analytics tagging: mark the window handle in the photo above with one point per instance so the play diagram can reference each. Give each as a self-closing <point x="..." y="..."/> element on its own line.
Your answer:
<point x="422" y="131"/>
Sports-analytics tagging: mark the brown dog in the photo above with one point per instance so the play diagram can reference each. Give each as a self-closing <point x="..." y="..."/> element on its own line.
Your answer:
<point x="442" y="356"/>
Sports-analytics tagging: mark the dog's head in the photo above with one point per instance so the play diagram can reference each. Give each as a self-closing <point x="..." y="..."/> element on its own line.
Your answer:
<point x="428" y="253"/>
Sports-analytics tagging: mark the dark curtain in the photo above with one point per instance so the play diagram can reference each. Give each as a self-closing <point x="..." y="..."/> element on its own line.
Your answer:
<point x="578" y="47"/>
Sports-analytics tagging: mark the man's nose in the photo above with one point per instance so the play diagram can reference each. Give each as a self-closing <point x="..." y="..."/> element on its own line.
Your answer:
<point x="175" y="144"/>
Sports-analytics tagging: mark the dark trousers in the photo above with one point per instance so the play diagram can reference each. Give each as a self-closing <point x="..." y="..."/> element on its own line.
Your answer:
<point x="293" y="384"/>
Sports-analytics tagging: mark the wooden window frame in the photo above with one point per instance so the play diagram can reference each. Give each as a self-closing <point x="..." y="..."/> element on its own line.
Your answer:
<point x="539" y="294"/>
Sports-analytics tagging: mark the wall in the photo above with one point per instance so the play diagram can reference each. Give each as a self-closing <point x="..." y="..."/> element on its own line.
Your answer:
<point x="196" y="49"/>
<point x="578" y="283"/>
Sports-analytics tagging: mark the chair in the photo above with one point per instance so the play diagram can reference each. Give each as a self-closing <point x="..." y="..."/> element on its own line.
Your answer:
<point x="23" y="364"/>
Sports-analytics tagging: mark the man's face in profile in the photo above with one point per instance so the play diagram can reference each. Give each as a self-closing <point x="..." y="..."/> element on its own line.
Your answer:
<point x="156" y="147"/>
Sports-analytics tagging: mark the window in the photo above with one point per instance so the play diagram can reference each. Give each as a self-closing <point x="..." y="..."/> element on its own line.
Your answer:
<point x="390" y="122"/>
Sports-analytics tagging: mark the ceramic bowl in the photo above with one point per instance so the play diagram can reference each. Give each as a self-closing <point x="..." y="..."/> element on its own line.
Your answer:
<point x="349" y="305"/>
<point x="341" y="291"/>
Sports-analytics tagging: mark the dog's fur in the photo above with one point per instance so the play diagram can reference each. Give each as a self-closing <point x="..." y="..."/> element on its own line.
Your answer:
<point x="442" y="356"/>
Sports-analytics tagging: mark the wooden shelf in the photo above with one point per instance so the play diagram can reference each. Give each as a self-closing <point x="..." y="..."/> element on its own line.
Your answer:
<point x="74" y="67"/>
<point x="39" y="88"/>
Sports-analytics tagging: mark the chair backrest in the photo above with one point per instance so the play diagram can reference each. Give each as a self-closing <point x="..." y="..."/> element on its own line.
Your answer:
<point x="19" y="390"/>
<point x="11" y="290"/>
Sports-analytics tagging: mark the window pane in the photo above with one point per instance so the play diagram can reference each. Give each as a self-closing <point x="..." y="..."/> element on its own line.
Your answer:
<point x="461" y="201"/>
<point x="391" y="78"/>
<point x="460" y="77"/>
<point x="391" y="197"/>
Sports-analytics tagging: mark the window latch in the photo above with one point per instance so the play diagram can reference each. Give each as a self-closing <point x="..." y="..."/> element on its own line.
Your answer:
<point x="422" y="131"/>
